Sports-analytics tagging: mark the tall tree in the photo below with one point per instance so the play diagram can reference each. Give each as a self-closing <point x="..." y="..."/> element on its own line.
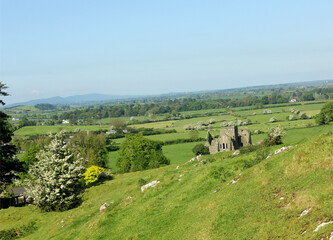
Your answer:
<point x="8" y="162"/>
<point x="138" y="153"/>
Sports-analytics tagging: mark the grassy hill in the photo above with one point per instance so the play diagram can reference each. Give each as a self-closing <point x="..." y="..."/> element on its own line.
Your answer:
<point x="218" y="197"/>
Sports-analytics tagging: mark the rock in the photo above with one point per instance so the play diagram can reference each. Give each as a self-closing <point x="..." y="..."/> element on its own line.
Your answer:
<point x="322" y="225"/>
<point x="152" y="184"/>
<point x="234" y="180"/>
<point x="237" y="152"/>
<point x="177" y="167"/>
<point x="104" y="207"/>
<point x="283" y="149"/>
<point x="306" y="211"/>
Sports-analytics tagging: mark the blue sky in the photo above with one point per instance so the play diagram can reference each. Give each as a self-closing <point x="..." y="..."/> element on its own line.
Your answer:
<point x="63" y="48"/>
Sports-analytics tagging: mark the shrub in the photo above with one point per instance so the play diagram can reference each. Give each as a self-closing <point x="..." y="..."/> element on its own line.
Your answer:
<point x="267" y="111"/>
<point x="220" y="173"/>
<point x="200" y="149"/>
<point x="211" y="121"/>
<point x="273" y="119"/>
<point x="142" y="182"/>
<point x="303" y="116"/>
<point x="274" y="136"/>
<point x="55" y="177"/>
<point x="291" y="118"/>
<point x="95" y="173"/>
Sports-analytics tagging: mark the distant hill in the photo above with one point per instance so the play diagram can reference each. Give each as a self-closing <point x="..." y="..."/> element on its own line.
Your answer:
<point x="99" y="98"/>
<point x="77" y="99"/>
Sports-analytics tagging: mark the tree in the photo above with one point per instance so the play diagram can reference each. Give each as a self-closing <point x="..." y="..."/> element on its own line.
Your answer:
<point x="8" y="161"/>
<point x="326" y="114"/>
<point x="307" y="97"/>
<point x="274" y="137"/>
<point x="117" y="123"/>
<point x="55" y="178"/>
<point x="92" y="147"/>
<point x="200" y="149"/>
<point x="137" y="153"/>
<point x="29" y="157"/>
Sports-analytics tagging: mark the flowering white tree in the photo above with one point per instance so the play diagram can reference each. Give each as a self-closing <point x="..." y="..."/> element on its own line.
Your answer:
<point x="274" y="137"/>
<point x="55" y="177"/>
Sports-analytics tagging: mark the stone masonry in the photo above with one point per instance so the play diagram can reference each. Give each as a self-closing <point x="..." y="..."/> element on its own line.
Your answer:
<point x="230" y="138"/>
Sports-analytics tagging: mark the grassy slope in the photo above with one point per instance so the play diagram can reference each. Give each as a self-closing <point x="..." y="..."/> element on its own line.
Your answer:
<point x="253" y="208"/>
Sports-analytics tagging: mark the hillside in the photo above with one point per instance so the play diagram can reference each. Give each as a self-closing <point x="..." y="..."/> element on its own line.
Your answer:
<point x="259" y="199"/>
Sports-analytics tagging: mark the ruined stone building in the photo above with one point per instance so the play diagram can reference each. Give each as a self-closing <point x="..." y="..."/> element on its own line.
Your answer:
<point x="230" y="138"/>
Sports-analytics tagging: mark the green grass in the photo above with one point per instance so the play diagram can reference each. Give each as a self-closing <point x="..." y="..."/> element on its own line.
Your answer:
<point x="177" y="153"/>
<point x="265" y="203"/>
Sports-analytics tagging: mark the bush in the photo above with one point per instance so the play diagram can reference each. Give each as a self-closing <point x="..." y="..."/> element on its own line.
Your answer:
<point x="273" y="119"/>
<point x="267" y="111"/>
<point x="274" y="136"/>
<point x="95" y="173"/>
<point x="303" y="116"/>
<point x="142" y="182"/>
<point x="137" y="153"/>
<point x="55" y="177"/>
<point x="291" y="118"/>
<point x="200" y="149"/>
<point x="220" y="173"/>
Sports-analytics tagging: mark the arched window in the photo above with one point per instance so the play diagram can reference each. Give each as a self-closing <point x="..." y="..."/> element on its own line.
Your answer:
<point x="223" y="146"/>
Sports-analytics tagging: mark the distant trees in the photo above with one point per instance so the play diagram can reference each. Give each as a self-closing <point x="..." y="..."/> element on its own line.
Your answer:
<point x="326" y="114"/>
<point x="137" y="153"/>
<point x="117" y="123"/>
<point x="307" y="97"/>
<point x="25" y="122"/>
<point x="55" y="178"/>
<point x="45" y="106"/>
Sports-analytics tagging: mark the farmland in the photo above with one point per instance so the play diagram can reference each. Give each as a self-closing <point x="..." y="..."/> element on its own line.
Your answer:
<point x="297" y="130"/>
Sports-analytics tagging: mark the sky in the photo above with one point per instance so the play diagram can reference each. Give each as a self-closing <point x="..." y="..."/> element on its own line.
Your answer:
<point x="74" y="47"/>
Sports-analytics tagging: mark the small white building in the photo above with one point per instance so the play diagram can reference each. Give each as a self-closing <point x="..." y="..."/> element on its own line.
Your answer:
<point x="65" y="121"/>
<point x="293" y="100"/>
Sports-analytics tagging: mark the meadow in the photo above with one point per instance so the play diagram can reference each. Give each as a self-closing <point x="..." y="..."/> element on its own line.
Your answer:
<point x="296" y="131"/>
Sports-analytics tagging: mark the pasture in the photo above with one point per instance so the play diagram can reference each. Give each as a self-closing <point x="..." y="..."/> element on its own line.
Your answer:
<point x="297" y="131"/>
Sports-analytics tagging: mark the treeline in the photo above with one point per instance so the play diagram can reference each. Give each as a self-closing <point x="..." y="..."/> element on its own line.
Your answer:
<point x="171" y="108"/>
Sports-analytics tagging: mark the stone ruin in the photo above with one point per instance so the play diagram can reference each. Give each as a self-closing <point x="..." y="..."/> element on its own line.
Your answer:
<point x="230" y="138"/>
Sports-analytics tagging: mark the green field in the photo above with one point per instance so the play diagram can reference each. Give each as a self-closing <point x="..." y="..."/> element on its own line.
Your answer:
<point x="177" y="153"/>
<point x="43" y="130"/>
